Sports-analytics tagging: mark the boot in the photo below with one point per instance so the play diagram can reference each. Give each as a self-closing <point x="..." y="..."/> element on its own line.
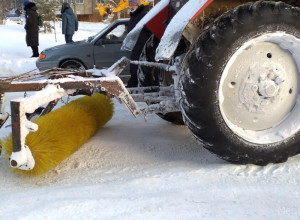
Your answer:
<point x="35" y="51"/>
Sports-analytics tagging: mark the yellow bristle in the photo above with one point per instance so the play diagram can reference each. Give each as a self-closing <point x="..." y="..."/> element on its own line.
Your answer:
<point x="63" y="131"/>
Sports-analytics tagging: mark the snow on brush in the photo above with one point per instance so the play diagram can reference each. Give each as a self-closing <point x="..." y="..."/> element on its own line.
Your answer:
<point x="132" y="169"/>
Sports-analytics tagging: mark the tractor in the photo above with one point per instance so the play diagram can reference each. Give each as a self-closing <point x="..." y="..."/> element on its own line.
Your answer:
<point x="236" y="78"/>
<point x="228" y="70"/>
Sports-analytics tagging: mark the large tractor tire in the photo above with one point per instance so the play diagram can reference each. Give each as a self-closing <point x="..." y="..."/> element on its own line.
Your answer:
<point x="149" y="76"/>
<point x="240" y="84"/>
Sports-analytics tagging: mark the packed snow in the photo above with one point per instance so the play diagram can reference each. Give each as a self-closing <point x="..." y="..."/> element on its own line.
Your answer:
<point x="137" y="169"/>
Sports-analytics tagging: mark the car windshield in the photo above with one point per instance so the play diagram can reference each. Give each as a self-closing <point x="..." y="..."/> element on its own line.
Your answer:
<point x="100" y="32"/>
<point x="118" y="31"/>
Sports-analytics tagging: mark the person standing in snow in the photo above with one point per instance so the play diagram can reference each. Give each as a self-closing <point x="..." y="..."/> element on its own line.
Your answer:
<point x="32" y="27"/>
<point x="69" y="22"/>
<point x="137" y="12"/>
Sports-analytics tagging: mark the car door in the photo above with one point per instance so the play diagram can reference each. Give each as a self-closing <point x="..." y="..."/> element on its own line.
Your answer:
<point x="107" y="48"/>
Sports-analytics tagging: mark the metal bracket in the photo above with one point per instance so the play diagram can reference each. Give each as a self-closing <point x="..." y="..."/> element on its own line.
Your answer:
<point x="21" y="156"/>
<point x="55" y="84"/>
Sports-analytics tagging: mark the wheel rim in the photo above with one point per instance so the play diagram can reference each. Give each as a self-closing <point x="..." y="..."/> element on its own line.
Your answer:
<point x="73" y="65"/>
<point x="259" y="88"/>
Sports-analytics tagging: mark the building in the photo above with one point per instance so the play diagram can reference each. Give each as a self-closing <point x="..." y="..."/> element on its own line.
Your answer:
<point x="86" y="9"/>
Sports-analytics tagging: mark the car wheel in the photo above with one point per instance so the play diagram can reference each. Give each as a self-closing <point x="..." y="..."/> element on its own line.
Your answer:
<point x="73" y="64"/>
<point x="240" y="85"/>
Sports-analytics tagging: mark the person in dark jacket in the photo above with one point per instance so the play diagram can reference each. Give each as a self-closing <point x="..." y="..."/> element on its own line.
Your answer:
<point x="137" y="12"/>
<point x="32" y="27"/>
<point x="69" y="22"/>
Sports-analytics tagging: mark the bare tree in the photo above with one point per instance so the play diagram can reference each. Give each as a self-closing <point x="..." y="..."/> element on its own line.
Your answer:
<point x="74" y="7"/>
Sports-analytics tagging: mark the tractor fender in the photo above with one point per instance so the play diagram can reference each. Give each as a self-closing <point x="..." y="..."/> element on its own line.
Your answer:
<point x="155" y="20"/>
<point x="154" y="14"/>
<point x="175" y="28"/>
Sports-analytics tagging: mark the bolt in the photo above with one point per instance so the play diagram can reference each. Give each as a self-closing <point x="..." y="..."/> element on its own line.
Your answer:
<point x="279" y="80"/>
<point x="270" y="90"/>
<point x="13" y="163"/>
<point x="267" y="88"/>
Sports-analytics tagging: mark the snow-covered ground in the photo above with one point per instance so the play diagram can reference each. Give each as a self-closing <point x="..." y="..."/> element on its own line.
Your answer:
<point x="132" y="169"/>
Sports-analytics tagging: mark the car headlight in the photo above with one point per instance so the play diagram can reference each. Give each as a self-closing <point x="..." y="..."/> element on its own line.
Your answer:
<point x="42" y="56"/>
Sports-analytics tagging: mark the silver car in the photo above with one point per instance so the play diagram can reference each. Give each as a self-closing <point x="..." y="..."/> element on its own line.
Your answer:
<point x="99" y="51"/>
<point x="15" y="18"/>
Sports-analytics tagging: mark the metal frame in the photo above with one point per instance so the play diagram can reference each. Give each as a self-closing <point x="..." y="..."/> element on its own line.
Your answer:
<point x="53" y="84"/>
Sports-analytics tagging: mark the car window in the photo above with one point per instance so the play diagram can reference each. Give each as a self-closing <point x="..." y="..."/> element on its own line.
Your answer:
<point x="99" y="33"/>
<point x="117" y="34"/>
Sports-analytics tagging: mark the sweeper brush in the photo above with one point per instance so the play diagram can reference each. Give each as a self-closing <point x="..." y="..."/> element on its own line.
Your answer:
<point x="34" y="147"/>
<point x="63" y="131"/>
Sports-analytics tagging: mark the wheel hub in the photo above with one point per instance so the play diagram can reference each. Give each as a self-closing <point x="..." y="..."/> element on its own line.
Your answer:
<point x="267" y="88"/>
<point x="259" y="85"/>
